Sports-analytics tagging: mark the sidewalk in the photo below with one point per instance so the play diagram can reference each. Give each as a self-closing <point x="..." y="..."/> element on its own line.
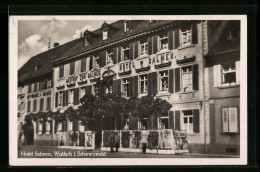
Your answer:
<point x="32" y="151"/>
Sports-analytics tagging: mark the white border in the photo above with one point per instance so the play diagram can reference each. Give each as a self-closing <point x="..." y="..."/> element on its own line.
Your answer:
<point x="13" y="68"/>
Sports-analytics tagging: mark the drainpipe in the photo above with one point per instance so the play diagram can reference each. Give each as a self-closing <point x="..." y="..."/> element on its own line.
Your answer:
<point x="203" y="89"/>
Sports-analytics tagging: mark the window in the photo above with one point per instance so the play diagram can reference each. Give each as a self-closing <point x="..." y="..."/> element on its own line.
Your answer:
<point x="34" y="105"/>
<point x="109" y="89"/>
<point x="29" y="106"/>
<point x="105" y="34"/>
<point x="41" y="104"/>
<point x="48" y="103"/>
<point x="126" y="87"/>
<point x="49" y="84"/>
<point x="143" y="124"/>
<point x="163" y="41"/>
<point x="186" y="78"/>
<point x="95" y="89"/>
<point x="29" y="88"/>
<point x="109" y="57"/>
<point x="187" y="120"/>
<point x="83" y="92"/>
<point x="229" y="120"/>
<point x="143" y="47"/>
<point x="83" y="65"/>
<point x="60" y="98"/>
<point x="143" y="84"/>
<point x="228" y="74"/>
<point x="87" y="40"/>
<point x="164" y="122"/>
<point x="71" y="97"/>
<point x="126" y="26"/>
<point x="35" y="86"/>
<point x="72" y="68"/>
<point x="125" y="53"/>
<point x="97" y="59"/>
<point x="41" y="85"/>
<point x="21" y="107"/>
<point x="163" y="78"/>
<point x="125" y="124"/>
<point x="61" y="71"/>
<point x="186" y="37"/>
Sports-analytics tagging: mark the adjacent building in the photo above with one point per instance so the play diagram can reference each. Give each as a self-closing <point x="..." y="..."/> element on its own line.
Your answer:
<point x="194" y="65"/>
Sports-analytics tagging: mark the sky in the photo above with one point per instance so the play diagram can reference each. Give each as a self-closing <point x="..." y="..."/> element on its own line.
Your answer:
<point x="34" y="35"/>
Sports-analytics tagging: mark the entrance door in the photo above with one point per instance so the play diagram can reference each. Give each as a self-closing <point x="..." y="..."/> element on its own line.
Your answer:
<point x="109" y="123"/>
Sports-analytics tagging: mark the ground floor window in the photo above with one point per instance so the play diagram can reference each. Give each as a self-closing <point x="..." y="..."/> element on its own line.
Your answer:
<point x="229" y="119"/>
<point x="125" y="124"/>
<point x="163" y="122"/>
<point x="187" y="117"/>
<point x="142" y="124"/>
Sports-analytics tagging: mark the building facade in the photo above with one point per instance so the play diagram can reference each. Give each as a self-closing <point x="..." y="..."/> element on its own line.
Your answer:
<point x="165" y="59"/>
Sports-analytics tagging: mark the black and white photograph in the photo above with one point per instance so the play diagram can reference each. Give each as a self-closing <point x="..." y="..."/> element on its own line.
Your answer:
<point x="128" y="90"/>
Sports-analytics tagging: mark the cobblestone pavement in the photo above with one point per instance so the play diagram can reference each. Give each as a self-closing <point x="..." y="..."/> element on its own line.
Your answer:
<point x="31" y="151"/>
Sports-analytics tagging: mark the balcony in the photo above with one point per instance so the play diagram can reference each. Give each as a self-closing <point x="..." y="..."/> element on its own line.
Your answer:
<point x="161" y="60"/>
<point x="125" y="68"/>
<point x="82" y="79"/>
<point x="94" y="75"/>
<point x="71" y="81"/>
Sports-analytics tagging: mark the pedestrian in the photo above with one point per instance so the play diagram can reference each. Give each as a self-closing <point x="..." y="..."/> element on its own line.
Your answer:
<point x="112" y="142"/>
<point x="117" y="141"/>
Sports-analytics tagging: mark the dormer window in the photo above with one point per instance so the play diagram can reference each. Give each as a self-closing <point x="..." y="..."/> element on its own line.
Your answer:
<point x="87" y="40"/>
<point x="105" y="34"/>
<point x="127" y="26"/>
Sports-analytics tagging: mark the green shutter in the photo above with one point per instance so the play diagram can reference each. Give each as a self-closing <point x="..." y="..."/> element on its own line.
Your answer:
<point x="177" y="79"/>
<point x="171" y="81"/>
<point x="155" y="44"/>
<point x="194" y="31"/>
<point x="196" y="120"/>
<point x="171" y="120"/>
<point x="150" y="45"/>
<point x="176" y="38"/>
<point x="177" y="120"/>
<point x="170" y="40"/>
<point x="115" y="54"/>
<point x="195" y="77"/>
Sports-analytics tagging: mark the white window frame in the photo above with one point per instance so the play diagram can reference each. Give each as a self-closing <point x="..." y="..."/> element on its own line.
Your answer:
<point x="224" y="72"/>
<point x="161" y="77"/>
<point x="105" y="34"/>
<point x="83" y="92"/>
<point x="126" y="29"/>
<point x="190" y="128"/>
<point x="160" y="124"/>
<point x="61" y="99"/>
<point x="96" y="59"/>
<point x="188" y="76"/>
<point x="126" y="124"/>
<point x="71" y="96"/>
<point x="94" y="89"/>
<point x="109" y="57"/>
<point x="140" y="126"/>
<point x="144" y="44"/>
<point x="226" y="122"/>
<point x="188" y="37"/>
<point x="125" y="81"/>
<point x="49" y="84"/>
<point x="163" y="37"/>
<point x="127" y="48"/>
<point x="143" y="78"/>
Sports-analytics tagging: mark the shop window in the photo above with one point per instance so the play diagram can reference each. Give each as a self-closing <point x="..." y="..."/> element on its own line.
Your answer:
<point x="186" y="37"/>
<point x="187" y="120"/>
<point x="143" y="124"/>
<point x="126" y="87"/>
<point x="229" y="74"/>
<point x="143" y="84"/>
<point x="229" y="120"/>
<point x="144" y="47"/>
<point x="186" y="78"/>
<point x="163" y="78"/>
<point x="163" y="41"/>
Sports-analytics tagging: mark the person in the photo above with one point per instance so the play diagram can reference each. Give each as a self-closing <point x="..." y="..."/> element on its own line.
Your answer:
<point x="117" y="141"/>
<point x="112" y="142"/>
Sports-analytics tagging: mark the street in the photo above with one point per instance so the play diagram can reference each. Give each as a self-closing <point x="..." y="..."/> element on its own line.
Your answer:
<point x="31" y="151"/>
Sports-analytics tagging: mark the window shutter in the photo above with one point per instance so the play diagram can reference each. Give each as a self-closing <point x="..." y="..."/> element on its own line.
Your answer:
<point x="177" y="79"/>
<point x="43" y="126"/>
<point x="238" y="72"/>
<point x="133" y="123"/>
<point x="195" y="77"/>
<point x="155" y="44"/>
<point x="177" y="120"/>
<point x="149" y="83"/>
<point x="135" y="86"/>
<point x="51" y="126"/>
<point x="55" y="126"/>
<point x="66" y="97"/>
<point x="63" y="96"/>
<point x="217" y="75"/>
<point x="131" y="51"/>
<point x="149" y="123"/>
<point x="171" y="81"/>
<point x="154" y="83"/>
<point x="171" y="120"/>
<point x="119" y="54"/>
<point x="37" y="126"/>
<point x="115" y="54"/>
<point x="155" y="122"/>
<point x="233" y="119"/>
<point x="89" y="90"/>
<point x="150" y="45"/>
<point x="131" y="84"/>
<point x="65" y="125"/>
<point x="91" y="62"/>
<point x="194" y="34"/>
<point x="103" y="58"/>
<point x="76" y="96"/>
<point x="137" y="49"/>
<point x="176" y="38"/>
<point x="75" y="125"/>
<point x="196" y="120"/>
<point x="170" y="40"/>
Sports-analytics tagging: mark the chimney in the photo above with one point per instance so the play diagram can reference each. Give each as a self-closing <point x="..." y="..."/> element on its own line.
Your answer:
<point x="56" y="44"/>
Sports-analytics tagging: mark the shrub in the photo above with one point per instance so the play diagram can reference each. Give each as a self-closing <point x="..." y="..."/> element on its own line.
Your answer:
<point x="136" y="139"/>
<point x="125" y="139"/>
<point x="153" y="138"/>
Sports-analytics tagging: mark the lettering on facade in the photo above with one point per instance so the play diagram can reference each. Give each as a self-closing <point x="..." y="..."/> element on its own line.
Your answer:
<point x="47" y="93"/>
<point x="71" y="79"/>
<point x="94" y="74"/>
<point x="160" y="58"/>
